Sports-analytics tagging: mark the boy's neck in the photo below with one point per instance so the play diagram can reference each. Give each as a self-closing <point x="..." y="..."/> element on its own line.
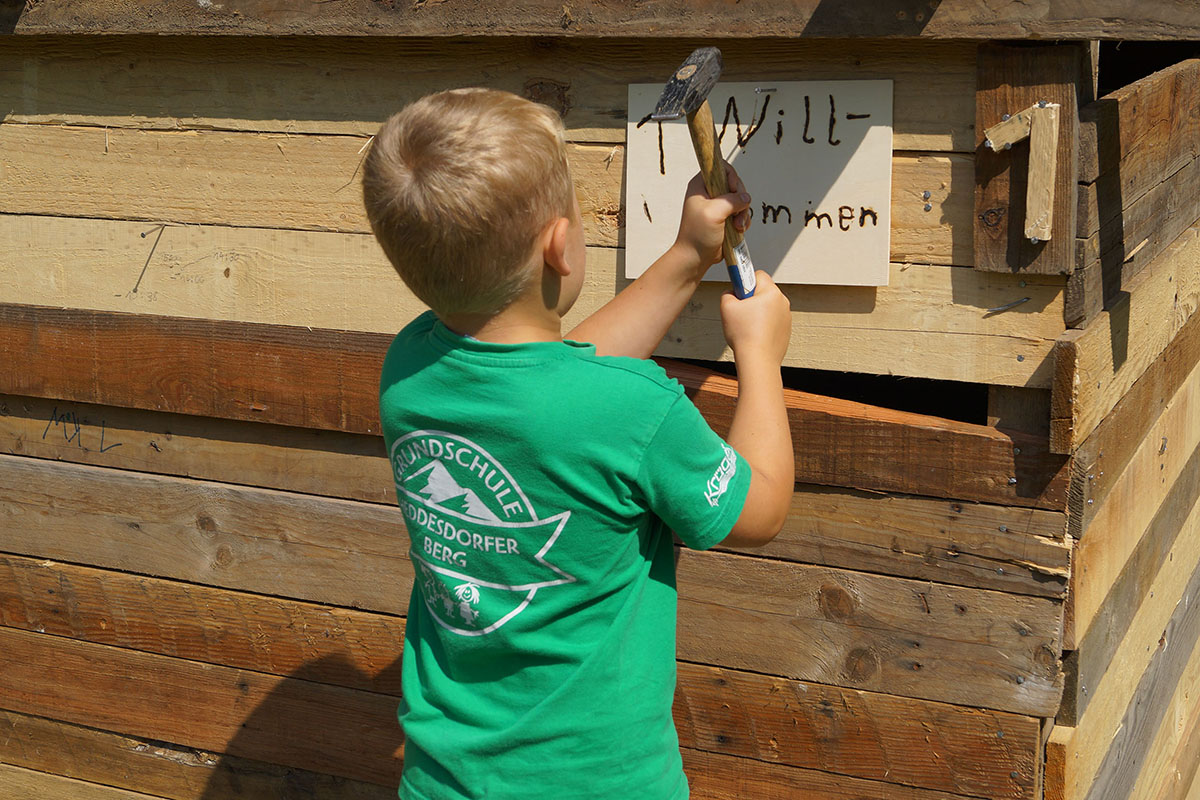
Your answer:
<point x="519" y="322"/>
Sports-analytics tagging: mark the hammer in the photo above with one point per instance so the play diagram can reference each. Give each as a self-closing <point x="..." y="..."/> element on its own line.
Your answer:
<point x="687" y="93"/>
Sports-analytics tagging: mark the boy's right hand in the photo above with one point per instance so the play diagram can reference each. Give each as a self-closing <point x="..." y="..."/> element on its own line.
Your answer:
<point x="702" y="224"/>
<point x="760" y="326"/>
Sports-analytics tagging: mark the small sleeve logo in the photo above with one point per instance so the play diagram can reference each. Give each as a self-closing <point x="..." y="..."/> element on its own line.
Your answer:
<point x="719" y="482"/>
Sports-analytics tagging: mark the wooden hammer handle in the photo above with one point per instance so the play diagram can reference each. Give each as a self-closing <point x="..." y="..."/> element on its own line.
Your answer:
<point x="712" y="167"/>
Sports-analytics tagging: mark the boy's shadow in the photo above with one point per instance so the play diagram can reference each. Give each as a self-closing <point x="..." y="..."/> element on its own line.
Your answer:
<point x="312" y="737"/>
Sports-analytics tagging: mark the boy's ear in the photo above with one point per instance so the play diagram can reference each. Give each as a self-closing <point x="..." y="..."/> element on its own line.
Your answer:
<point x="554" y="247"/>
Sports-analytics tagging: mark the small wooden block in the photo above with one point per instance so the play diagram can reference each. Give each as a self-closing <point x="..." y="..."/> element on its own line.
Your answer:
<point x="1043" y="161"/>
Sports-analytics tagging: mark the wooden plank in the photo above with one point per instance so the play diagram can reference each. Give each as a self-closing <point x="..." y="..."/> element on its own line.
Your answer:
<point x="1103" y="456"/>
<point x="1096" y="366"/>
<point x="287" y="721"/>
<point x="844" y="444"/>
<point x="721" y="710"/>
<point x="1109" y="749"/>
<point x="1019" y="409"/>
<point x="327" y="379"/>
<point x="1109" y="259"/>
<point x="1167" y="761"/>
<point x="231" y="778"/>
<point x="1184" y="766"/>
<point x="1010" y="80"/>
<point x="1057" y="746"/>
<point x="160" y="768"/>
<point x="17" y="782"/>
<point x="987" y="546"/>
<point x="335" y="646"/>
<point x="1154" y="472"/>
<point x="286" y="85"/>
<point x="1151" y="123"/>
<point x="994" y="547"/>
<point x="1141" y="182"/>
<point x="312" y="182"/>
<point x="952" y="19"/>
<point x="929" y="322"/>
<point x="1166" y="551"/>
<point x="256" y="540"/>
<point x="327" y="463"/>
<point x="290" y="546"/>
<point x="915" y="639"/>
<point x="714" y="777"/>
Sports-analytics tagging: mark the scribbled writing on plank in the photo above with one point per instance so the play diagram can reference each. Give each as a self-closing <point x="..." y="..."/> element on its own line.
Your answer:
<point x="73" y="429"/>
<point x="846" y="217"/>
<point x="756" y="122"/>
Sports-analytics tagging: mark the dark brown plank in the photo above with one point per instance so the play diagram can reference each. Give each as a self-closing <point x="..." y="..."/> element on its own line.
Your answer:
<point x="1010" y="79"/>
<point x="809" y="725"/>
<point x="288" y="721"/>
<point x="843" y="443"/>
<point x="328" y="379"/>
<point x="163" y="769"/>
<point x="977" y="19"/>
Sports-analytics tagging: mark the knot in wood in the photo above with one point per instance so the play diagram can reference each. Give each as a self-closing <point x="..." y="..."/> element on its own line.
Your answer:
<point x="835" y="602"/>
<point x="992" y="217"/>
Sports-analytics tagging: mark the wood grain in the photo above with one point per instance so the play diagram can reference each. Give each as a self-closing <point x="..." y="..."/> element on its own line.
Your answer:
<point x="161" y="768"/>
<point x="284" y="545"/>
<point x="285" y="85"/>
<point x="17" y="782"/>
<point x="952" y="19"/>
<point x="1108" y="752"/>
<point x="287" y="721"/>
<point x="929" y="322"/>
<point x="1103" y="456"/>
<point x="987" y="546"/>
<point x="1109" y="260"/>
<point x="1163" y="457"/>
<point x="1149" y="578"/>
<point x="1096" y="366"/>
<point x="328" y="379"/>
<point x="802" y="724"/>
<point x="313" y="182"/>
<point x="1010" y="80"/>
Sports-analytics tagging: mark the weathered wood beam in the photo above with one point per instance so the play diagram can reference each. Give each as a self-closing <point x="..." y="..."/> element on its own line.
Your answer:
<point x="294" y="86"/>
<point x="956" y="19"/>
<point x="328" y="380"/>
<point x="829" y="626"/>
<point x="1095" y="366"/>
<point x="1140" y="183"/>
<point x="717" y="710"/>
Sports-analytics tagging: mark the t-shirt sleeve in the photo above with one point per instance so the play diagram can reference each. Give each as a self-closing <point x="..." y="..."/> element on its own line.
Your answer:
<point x="692" y="479"/>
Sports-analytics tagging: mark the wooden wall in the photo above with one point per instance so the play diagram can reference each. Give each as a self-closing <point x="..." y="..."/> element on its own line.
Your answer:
<point x="203" y="575"/>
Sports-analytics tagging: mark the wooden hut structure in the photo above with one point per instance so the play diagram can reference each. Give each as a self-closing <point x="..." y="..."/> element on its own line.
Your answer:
<point x="988" y="585"/>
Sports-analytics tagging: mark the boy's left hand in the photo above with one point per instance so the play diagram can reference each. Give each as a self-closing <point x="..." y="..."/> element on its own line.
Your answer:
<point x="702" y="224"/>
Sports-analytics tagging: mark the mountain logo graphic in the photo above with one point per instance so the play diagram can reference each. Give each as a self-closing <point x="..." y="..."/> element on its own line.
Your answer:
<point x="478" y="546"/>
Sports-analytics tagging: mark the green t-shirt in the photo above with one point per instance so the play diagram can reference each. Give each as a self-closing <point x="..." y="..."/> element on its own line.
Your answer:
<point x="540" y="483"/>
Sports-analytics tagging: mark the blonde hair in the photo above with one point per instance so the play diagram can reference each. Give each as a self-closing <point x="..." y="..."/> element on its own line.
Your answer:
<point x="457" y="187"/>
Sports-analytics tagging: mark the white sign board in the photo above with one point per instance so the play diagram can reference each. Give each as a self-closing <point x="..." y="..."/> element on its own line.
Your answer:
<point x="815" y="155"/>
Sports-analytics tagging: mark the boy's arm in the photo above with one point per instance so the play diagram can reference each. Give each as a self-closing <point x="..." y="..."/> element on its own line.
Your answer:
<point x="635" y="321"/>
<point x="759" y="329"/>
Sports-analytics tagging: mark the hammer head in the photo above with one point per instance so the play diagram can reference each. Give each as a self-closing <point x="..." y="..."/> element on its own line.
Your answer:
<point x="690" y="85"/>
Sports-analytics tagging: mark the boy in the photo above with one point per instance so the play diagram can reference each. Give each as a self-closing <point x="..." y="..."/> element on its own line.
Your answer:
<point x="540" y="477"/>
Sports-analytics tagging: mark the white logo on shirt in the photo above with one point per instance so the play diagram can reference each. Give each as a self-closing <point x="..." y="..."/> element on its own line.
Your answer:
<point x="479" y="548"/>
<point x="719" y="482"/>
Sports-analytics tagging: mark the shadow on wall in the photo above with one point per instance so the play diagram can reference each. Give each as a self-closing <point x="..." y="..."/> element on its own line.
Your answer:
<point x="10" y="12"/>
<point x="309" y="738"/>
